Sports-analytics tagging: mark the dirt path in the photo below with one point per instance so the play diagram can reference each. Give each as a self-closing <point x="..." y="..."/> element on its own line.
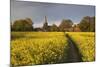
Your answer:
<point x="73" y="53"/>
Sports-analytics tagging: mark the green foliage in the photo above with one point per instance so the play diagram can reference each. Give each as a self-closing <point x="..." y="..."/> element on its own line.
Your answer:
<point x="87" y="24"/>
<point x="65" y="25"/>
<point x="54" y="28"/>
<point x="22" y="25"/>
<point x="76" y="28"/>
<point x="92" y="25"/>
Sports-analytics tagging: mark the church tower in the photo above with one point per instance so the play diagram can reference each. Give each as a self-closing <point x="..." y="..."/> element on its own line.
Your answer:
<point x="45" y="25"/>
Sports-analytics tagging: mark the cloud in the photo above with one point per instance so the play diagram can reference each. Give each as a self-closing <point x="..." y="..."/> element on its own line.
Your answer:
<point x="54" y="12"/>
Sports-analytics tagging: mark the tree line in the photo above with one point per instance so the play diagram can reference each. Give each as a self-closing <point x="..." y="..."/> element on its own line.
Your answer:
<point x="87" y="24"/>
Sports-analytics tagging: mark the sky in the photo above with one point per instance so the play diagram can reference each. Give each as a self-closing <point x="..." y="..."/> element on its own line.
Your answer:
<point x="54" y="12"/>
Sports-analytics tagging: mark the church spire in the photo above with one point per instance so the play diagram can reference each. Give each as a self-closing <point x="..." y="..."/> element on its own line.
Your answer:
<point x="45" y="25"/>
<point x="45" y="19"/>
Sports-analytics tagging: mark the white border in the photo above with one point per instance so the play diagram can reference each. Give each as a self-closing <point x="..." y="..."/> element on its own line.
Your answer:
<point x="4" y="33"/>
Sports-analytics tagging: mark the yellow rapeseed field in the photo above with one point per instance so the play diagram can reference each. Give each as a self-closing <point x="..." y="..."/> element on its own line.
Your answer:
<point x="32" y="48"/>
<point x="85" y="42"/>
<point x="29" y="48"/>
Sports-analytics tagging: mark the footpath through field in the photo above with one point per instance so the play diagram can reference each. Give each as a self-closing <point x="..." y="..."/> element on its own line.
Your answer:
<point x="73" y="53"/>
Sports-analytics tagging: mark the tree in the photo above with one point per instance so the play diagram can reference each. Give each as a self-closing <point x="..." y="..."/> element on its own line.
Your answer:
<point x="54" y="28"/>
<point x="11" y="24"/>
<point x="76" y="28"/>
<point x="23" y="25"/>
<point x="87" y="24"/>
<point x="92" y="25"/>
<point x="29" y="21"/>
<point x="65" y="25"/>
